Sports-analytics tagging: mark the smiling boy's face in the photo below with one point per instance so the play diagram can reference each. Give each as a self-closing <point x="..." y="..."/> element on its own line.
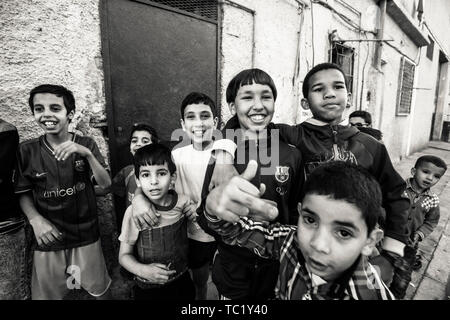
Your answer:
<point x="199" y="122"/>
<point x="50" y="113"/>
<point x="254" y="106"/>
<point x="332" y="234"/>
<point x="327" y="96"/>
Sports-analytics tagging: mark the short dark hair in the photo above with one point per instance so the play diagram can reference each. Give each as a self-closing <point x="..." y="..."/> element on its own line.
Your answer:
<point x="152" y="155"/>
<point x="248" y="77"/>
<point x="314" y="70"/>
<point x="196" y="98"/>
<point x="438" y="162"/>
<point x="362" y="114"/>
<point x="59" y="91"/>
<point x="349" y="182"/>
<point x="144" y="127"/>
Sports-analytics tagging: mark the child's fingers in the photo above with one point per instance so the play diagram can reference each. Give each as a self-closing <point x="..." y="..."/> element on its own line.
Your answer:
<point x="57" y="235"/>
<point x="237" y="209"/>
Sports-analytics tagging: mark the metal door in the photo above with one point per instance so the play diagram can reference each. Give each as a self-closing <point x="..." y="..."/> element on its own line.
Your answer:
<point x="154" y="55"/>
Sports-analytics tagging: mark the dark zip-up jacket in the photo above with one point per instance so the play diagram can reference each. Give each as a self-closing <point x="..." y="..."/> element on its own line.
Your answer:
<point x="237" y="272"/>
<point x="323" y="143"/>
<point x="9" y="142"/>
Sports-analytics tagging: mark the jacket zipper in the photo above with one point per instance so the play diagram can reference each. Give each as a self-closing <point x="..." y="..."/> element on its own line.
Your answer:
<point x="335" y="146"/>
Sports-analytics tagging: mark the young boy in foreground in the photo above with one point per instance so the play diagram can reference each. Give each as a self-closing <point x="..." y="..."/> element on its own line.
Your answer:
<point x="326" y="256"/>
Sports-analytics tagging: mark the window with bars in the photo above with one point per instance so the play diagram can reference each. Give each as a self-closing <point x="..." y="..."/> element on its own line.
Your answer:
<point x="405" y="88"/>
<point x="203" y="8"/>
<point x="344" y="57"/>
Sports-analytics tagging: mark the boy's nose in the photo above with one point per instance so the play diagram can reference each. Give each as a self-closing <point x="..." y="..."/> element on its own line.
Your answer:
<point x="258" y="104"/>
<point x="153" y="180"/>
<point x="320" y="242"/>
<point x="329" y="93"/>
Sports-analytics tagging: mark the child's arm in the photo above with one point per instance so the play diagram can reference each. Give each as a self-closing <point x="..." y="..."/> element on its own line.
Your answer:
<point x="396" y="205"/>
<point x="65" y="149"/>
<point x="44" y="231"/>
<point x="156" y="273"/>
<point x="258" y="236"/>
<point x="430" y="222"/>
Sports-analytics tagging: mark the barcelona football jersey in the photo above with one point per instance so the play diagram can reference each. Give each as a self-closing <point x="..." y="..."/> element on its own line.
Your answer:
<point x="63" y="191"/>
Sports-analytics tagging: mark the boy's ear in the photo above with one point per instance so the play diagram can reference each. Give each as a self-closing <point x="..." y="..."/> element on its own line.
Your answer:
<point x="138" y="183"/>
<point x="374" y="237"/>
<point x="232" y="108"/>
<point x="182" y="124"/>
<point x="216" y="122"/>
<point x="305" y="104"/>
<point x="413" y="171"/>
<point x="71" y="115"/>
<point x="349" y="100"/>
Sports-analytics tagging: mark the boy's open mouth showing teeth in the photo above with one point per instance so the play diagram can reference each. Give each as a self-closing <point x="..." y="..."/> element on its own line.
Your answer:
<point x="49" y="124"/>
<point x="257" y="118"/>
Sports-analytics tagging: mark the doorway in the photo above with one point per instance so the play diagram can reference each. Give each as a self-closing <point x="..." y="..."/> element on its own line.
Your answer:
<point x="155" y="53"/>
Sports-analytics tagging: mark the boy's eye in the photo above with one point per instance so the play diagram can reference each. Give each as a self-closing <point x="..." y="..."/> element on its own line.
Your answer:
<point x="145" y="140"/>
<point x="205" y="116"/>
<point x="133" y="140"/>
<point x="162" y="173"/>
<point x="344" y="234"/>
<point x="190" y="117"/>
<point x="267" y="97"/>
<point x="308" y="219"/>
<point x="145" y="175"/>
<point x="38" y="109"/>
<point x="247" y="98"/>
<point x="317" y="89"/>
<point x="55" y="108"/>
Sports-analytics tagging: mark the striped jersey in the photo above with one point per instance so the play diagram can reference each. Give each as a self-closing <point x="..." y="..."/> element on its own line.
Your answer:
<point x="63" y="191"/>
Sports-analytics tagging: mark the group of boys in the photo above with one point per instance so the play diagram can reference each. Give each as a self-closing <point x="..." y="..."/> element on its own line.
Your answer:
<point x="312" y="211"/>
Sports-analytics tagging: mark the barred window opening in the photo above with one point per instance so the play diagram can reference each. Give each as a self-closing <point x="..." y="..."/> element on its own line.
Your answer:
<point x="203" y="8"/>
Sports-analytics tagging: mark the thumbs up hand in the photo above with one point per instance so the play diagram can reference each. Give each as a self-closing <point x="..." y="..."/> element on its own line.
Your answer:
<point x="239" y="197"/>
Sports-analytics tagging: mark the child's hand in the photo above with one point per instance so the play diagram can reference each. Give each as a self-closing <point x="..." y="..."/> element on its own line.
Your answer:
<point x="239" y="197"/>
<point x="157" y="273"/>
<point x="143" y="212"/>
<point x="45" y="232"/>
<point x="417" y="238"/>
<point x="190" y="211"/>
<point x="65" y="149"/>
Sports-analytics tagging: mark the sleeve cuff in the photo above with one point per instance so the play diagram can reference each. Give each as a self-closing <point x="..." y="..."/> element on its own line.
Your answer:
<point x="225" y="145"/>
<point x="210" y="218"/>
<point x="421" y="234"/>
<point x="392" y="245"/>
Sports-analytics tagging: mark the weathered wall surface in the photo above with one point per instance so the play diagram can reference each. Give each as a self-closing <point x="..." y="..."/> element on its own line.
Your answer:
<point x="262" y="34"/>
<point x="56" y="42"/>
<point x="50" y="42"/>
